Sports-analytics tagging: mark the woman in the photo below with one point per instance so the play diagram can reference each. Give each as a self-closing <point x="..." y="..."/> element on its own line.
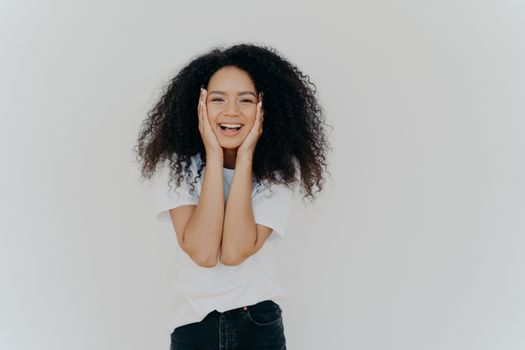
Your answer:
<point x="242" y="127"/>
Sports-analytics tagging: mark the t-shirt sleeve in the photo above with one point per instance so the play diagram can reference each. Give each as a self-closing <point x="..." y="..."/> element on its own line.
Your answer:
<point x="273" y="209"/>
<point x="167" y="198"/>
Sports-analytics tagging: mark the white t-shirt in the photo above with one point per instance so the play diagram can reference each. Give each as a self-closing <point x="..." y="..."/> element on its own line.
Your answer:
<point x="194" y="291"/>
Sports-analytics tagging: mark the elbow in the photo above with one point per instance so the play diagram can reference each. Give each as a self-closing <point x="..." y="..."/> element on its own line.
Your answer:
<point x="231" y="259"/>
<point x="202" y="259"/>
<point x="208" y="262"/>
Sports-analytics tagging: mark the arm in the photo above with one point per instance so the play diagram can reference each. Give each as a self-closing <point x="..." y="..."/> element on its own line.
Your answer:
<point x="201" y="236"/>
<point x="241" y="236"/>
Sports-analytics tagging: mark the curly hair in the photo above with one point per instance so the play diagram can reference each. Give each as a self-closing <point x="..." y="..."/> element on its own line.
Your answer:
<point x="293" y="122"/>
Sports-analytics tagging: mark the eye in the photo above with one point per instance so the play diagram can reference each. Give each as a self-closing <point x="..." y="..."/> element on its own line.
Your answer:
<point x="216" y="99"/>
<point x="246" y="100"/>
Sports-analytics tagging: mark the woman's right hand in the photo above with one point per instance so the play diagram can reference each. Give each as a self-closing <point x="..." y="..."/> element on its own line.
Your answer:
<point x="211" y="144"/>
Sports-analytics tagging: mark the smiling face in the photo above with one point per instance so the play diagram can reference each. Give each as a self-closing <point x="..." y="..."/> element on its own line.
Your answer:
<point x="232" y="100"/>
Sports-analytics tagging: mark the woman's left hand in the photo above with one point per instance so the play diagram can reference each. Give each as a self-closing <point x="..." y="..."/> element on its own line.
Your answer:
<point x="247" y="147"/>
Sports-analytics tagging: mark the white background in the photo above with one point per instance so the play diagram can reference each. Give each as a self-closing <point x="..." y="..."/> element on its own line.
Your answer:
<point x="417" y="241"/>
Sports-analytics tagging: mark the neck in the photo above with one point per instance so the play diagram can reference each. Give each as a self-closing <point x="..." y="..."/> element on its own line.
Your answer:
<point x="230" y="156"/>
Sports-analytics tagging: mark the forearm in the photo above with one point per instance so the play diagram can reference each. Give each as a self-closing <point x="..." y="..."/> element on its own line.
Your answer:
<point x="239" y="232"/>
<point x="202" y="235"/>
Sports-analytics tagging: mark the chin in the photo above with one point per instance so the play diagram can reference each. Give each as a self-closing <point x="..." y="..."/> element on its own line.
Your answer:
<point x="230" y="145"/>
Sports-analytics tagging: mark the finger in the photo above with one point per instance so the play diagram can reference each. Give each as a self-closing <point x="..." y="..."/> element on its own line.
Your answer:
<point x="199" y="109"/>
<point x="204" y="98"/>
<point x="205" y="120"/>
<point x="259" y="113"/>
<point x="203" y="101"/>
<point x="200" y="100"/>
<point x="204" y="108"/>
<point x="261" y="119"/>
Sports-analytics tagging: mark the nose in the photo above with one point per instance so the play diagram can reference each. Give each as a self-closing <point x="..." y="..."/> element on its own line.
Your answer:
<point x="231" y="108"/>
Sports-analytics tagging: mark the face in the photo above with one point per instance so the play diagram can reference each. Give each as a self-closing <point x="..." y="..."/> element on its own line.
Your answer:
<point x="232" y="99"/>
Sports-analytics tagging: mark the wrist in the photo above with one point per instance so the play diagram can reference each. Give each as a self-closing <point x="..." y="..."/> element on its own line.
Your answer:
<point x="215" y="159"/>
<point x="244" y="157"/>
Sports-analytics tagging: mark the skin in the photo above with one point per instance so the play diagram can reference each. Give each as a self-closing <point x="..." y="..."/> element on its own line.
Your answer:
<point x="213" y="229"/>
<point x="231" y="97"/>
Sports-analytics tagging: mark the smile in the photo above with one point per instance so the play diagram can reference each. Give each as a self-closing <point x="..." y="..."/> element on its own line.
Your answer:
<point x="230" y="129"/>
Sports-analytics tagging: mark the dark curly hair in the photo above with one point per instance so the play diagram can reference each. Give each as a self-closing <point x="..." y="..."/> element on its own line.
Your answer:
<point x="293" y="119"/>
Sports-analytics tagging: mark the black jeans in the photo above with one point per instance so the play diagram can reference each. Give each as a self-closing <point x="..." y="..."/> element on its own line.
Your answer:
<point x="251" y="327"/>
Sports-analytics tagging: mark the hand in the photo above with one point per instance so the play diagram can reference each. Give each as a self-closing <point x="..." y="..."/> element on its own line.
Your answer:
<point x="248" y="145"/>
<point x="211" y="144"/>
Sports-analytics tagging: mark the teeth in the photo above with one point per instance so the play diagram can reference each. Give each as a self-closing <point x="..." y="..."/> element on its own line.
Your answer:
<point x="231" y="125"/>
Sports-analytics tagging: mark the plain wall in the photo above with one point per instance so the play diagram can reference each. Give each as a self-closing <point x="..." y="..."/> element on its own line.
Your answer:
<point x="416" y="242"/>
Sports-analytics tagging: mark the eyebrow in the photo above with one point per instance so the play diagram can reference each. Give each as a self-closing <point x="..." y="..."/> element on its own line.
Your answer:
<point x="240" y="93"/>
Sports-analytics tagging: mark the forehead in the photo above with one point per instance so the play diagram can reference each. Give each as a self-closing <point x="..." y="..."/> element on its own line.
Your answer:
<point x="231" y="79"/>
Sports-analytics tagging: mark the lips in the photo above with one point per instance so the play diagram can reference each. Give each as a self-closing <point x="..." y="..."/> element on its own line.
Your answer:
<point x="230" y="132"/>
<point x="230" y="129"/>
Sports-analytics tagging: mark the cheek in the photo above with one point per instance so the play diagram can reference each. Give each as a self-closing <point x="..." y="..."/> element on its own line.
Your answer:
<point x="250" y="114"/>
<point x="212" y="112"/>
<point x="251" y="119"/>
<point x="250" y="110"/>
